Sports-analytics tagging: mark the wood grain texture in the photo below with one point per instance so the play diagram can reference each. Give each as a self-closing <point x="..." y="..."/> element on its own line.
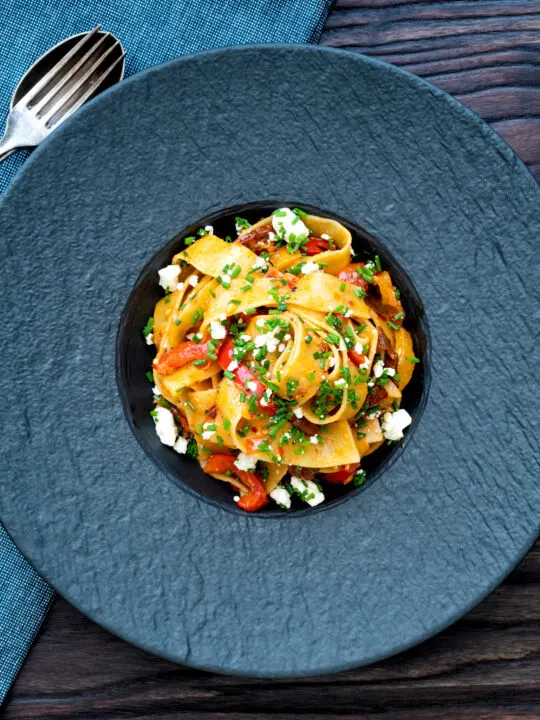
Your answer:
<point x="487" y="54"/>
<point x="486" y="666"/>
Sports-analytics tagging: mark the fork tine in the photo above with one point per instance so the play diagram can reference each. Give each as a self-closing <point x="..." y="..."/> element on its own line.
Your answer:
<point x="56" y="69"/>
<point x="61" y="106"/>
<point x="69" y="75"/>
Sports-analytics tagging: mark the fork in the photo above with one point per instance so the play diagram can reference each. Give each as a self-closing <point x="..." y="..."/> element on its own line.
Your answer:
<point x="61" y="91"/>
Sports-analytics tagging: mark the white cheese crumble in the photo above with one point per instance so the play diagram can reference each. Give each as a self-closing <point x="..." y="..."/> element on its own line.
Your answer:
<point x="181" y="445"/>
<point x="370" y="383"/>
<point x="298" y="412"/>
<point x="168" y="277"/>
<point x="309" y="267"/>
<point x="232" y="366"/>
<point x="217" y="330"/>
<point x="324" y="236"/>
<point x="280" y="495"/>
<point x="394" y="423"/>
<point x="150" y="339"/>
<point x="288" y="223"/>
<point x="240" y="228"/>
<point x="156" y="391"/>
<point x="260" y="263"/>
<point x="226" y="278"/>
<point x="378" y="368"/>
<point x="236" y="498"/>
<point x="193" y="280"/>
<point x="260" y="322"/>
<point x="245" y="462"/>
<point x="165" y="426"/>
<point x="314" y="439"/>
<point x="340" y="383"/>
<point x="265" y="399"/>
<point x="271" y="236"/>
<point x="209" y="229"/>
<point x="268" y="339"/>
<point x="252" y="386"/>
<point x="390" y="372"/>
<point x="245" y="337"/>
<point x="281" y="347"/>
<point x="309" y="489"/>
<point x="206" y="433"/>
<point x="222" y="317"/>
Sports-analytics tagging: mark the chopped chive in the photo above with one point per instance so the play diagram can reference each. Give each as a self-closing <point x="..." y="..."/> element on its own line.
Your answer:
<point x="392" y="325"/>
<point x="413" y="359"/>
<point x="378" y="263"/>
<point x="226" y="423"/>
<point x="228" y="374"/>
<point x="150" y="376"/>
<point x="190" y="405"/>
<point x="199" y="363"/>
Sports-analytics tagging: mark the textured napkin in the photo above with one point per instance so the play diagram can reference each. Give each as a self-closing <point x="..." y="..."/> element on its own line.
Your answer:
<point x="152" y="32"/>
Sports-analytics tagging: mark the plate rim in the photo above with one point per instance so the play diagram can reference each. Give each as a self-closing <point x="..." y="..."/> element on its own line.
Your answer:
<point x="493" y="137"/>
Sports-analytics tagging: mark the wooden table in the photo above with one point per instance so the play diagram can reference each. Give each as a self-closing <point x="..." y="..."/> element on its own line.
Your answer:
<point x="487" y="666"/>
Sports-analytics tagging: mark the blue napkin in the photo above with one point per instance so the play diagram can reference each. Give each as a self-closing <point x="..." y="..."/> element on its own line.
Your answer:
<point x="152" y="32"/>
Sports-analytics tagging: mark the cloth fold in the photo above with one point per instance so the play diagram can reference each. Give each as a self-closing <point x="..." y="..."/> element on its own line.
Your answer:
<point x="152" y="32"/>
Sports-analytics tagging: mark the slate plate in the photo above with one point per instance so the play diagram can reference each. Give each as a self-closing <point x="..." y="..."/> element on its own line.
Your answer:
<point x="184" y="578"/>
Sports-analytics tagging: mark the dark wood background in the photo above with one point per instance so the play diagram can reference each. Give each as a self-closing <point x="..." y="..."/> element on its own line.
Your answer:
<point x="487" y="666"/>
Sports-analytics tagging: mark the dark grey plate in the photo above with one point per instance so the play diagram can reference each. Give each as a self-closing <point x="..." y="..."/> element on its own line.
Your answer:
<point x="186" y="578"/>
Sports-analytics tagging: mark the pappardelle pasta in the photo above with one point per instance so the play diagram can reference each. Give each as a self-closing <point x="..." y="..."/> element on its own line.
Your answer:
<point x="280" y="363"/>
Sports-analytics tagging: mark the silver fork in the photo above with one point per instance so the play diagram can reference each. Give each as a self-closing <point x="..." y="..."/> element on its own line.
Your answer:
<point x="60" y="91"/>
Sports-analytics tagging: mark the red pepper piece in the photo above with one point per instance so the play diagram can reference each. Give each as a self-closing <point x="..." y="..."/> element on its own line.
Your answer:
<point x="340" y="476"/>
<point x="180" y="355"/>
<point x="256" y="497"/>
<point x="316" y="245"/>
<point x="243" y="375"/>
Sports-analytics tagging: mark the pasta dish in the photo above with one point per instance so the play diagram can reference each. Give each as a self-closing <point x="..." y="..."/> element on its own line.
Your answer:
<point x="280" y="363"/>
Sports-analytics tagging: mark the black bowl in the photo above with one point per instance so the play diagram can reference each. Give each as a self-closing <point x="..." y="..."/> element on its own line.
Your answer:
<point x="134" y="359"/>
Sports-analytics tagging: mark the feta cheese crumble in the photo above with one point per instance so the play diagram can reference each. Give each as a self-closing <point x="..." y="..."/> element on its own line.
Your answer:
<point x="156" y="391"/>
<point x="378" y="369"/>
<point x="298" y="412"/>
<point x="267" y="339"/>
<point x="193" y="280"/>
<point x="394" y="423"/>
<point x="309" y="267"/>
<point x="308" y="489"/>
<point x="166" y="428"/>
<point x="340" y="383"/>
<point x="245" y="462"/>
<point x="150" y="339"/>
<point x="265" y="399"/>
<point x="209" y="229"/>
<point x="259" y="264"/>
<point x="206" y="433"/>
<point x="217" y="331"/>
<point x="281" y="496"/>
<point x="288" y="223"/>
<point x="314" y="439"/>
<point x="232" y="366"/>
<point x="181" y="445"/>
<point x="168" y="277"/>
<point x="252" y="386"/>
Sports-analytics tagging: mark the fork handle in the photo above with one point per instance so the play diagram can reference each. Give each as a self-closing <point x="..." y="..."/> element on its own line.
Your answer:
<point x="7" y="147"/>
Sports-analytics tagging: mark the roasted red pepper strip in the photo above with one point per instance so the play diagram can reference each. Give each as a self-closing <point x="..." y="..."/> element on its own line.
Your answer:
<point x="349" y="275"/>
<point x="340" y="476"/>
<point x="243" y="375"/>
<point x="256" y="497"/>
<point x="180" y="355"/>
<point x="316" y="245"/>
<point x="357" y="358"/>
